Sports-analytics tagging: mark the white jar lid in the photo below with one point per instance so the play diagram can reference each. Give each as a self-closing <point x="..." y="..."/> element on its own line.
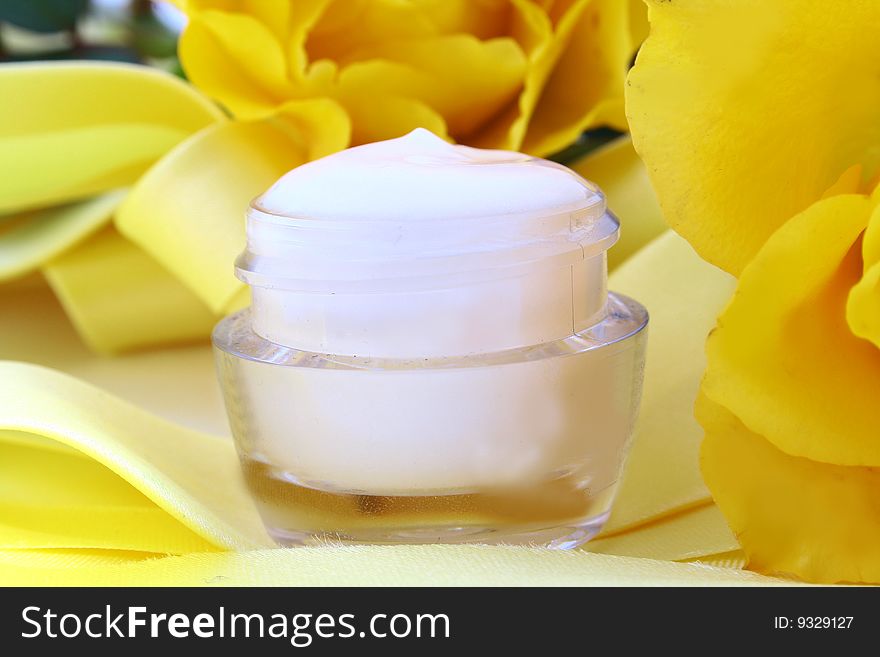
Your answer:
<point x="388" y="248"/>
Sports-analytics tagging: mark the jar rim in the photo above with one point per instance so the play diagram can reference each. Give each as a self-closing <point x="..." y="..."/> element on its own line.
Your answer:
<point x="303" y="253"/>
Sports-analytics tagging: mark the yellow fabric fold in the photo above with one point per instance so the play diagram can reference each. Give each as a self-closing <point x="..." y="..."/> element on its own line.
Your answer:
<point x="119" y="298"/>
<point x="176" y="383"/>
<point x="176" y="468"/>
<point x="428" y="565"/>
<point x="188" y="211"/>
<point x="683" y="294"/>
<point x="690" y="534"/>
<point x="148" y="530"/>
<point x="63" y="499"/>
<point x="40" y="235"/>
<point x="71" y="130"/>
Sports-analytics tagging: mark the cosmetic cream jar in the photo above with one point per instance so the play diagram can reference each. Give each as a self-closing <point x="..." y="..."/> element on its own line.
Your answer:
<point x="431" y="353"/>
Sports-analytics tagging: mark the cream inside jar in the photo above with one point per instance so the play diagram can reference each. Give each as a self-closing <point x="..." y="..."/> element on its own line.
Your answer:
<point x="431" y="353"/>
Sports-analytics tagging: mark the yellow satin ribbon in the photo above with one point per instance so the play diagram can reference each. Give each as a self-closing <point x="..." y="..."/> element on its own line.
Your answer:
<point x="69" y="130"/>
<point x="438" y="565"/>
<point x="76" y="138"/>
<point x="38" y="236"/>
<point x="118" y="297"/>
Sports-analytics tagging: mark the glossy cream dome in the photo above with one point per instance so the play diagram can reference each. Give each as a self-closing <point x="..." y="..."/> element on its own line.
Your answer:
<point x="412" y="179"/>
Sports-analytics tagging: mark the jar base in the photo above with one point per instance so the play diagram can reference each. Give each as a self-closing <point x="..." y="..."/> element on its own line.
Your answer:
<point x="560" y="513"/>
<point x="558" y="538"/>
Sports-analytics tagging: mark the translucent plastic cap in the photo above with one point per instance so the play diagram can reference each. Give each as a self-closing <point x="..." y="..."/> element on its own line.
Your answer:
<point x="418" y="206"/>
<point x="424" y="228"/>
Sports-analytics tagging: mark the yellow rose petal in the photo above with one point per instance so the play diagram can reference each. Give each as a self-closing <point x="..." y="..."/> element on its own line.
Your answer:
<point x="484" y="20"/>
<point x="863" y="304"/>
<point x="235" y="59"/>
<point x="188" y="211"/>
<point x="863" y="309"/>
<point x="43" y="234"/>
<point x="577" y="57"/>
<point x="274" y="14"/>
<point x="465" y="80"/>
<point x="533" y="30"/>
<point x="119" y="298"/>
<point x="585" y="87"/>
<point x="792" y="516"/>
<point x="638" y="22"/>
<point x="783" y="359"/>
<point x="71" y="130"/>
<point x="320" y="126"/>
<point x="849" y="182"/>
<point x="622" y="176"/>
<point x="745" y="112"/>
<point x="387" y="117"/>
<point x="303" y="16"/>
<point x="341" y="27"/>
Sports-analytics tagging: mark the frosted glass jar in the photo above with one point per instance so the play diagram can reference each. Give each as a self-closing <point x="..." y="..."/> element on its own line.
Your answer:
<point x="431" y="354"/>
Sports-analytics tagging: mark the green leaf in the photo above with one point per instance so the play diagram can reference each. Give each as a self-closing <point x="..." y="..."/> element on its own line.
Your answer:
<point x="586" y="143"/>
<point x="43" y="15"/>
<point x="152" y="38"/>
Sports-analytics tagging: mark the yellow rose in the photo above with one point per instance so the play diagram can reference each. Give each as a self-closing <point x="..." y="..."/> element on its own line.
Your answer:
<point x="517" y="74"/>
<point x="759" y="125"/>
